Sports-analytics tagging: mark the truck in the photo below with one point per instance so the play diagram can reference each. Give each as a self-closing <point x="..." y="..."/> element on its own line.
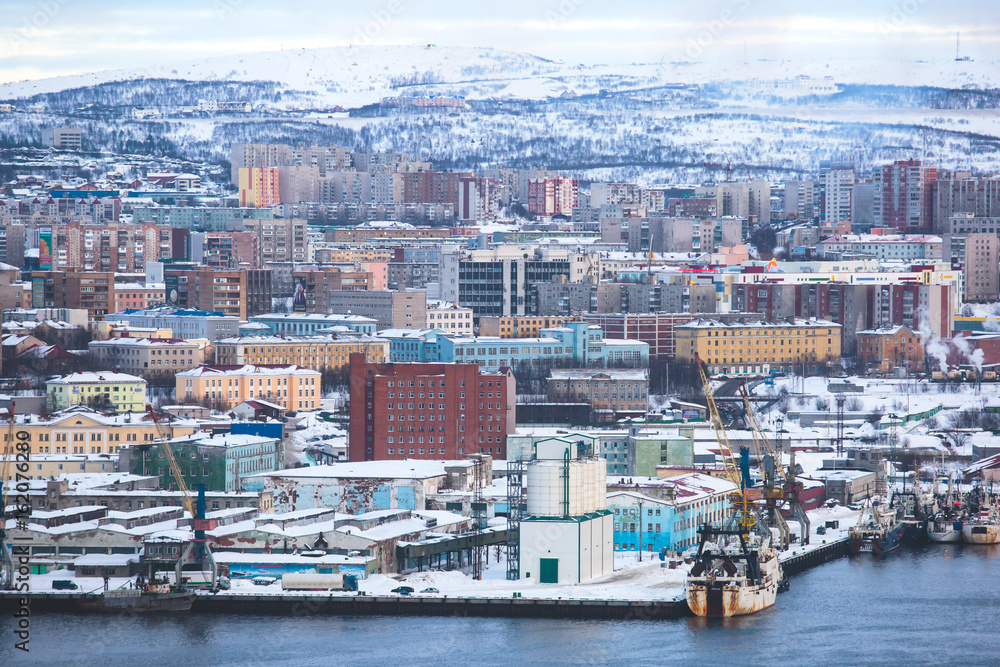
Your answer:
<point x="311" y="581"/>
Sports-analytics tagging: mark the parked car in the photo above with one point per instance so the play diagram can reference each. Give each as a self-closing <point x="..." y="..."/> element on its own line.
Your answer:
<point x="855" y="506"/>
<point x="403" y="590"/>
<point x="64" y="585"/>
<point x="263" y="581"/>
<point x="430" y="590"/>
<point x="821" y="530"/>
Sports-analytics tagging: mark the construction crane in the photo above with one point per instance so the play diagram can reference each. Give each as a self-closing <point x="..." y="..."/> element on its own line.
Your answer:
<point x="6" y="558"/>
<point x="779" y="484"/>
<point x="196" y="551"/>
<point x="738" y="473"/>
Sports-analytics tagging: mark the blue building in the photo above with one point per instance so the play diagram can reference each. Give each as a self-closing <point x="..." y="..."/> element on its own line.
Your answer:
<point x="653" y="514"/>
<point x="311" y="323"/>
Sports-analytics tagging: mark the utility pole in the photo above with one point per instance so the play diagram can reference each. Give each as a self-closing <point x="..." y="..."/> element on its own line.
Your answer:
<point x="640" y="531"/>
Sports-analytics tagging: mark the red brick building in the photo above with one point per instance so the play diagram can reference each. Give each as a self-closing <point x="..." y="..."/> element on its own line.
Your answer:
<point x="428" y="411"/>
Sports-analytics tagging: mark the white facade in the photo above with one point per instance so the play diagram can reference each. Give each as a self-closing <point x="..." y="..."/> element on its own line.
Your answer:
<point x="547" y="487"/>
<point x="573" y="549"/>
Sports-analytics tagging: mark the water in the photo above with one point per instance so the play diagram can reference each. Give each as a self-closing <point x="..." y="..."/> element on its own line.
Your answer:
<point x="929" y="605"/>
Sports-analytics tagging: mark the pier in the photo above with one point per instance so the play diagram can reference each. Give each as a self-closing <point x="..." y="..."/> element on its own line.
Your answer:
<point x="345" y="604"/>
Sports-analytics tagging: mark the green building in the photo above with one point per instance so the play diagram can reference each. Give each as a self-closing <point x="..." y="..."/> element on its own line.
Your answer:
<point x="224" y="462"/>
<point x="650" y="448"/>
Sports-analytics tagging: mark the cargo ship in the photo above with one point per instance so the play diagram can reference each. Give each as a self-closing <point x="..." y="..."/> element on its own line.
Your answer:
<point x="982" y="529"/>
<point x="878" y="531"/>
<point x="736" y="571"/>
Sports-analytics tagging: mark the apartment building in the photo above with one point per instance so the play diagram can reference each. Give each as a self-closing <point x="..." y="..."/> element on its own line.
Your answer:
<point x="319" y="352"/>
<point x="975" y="255"/>
<point x="312" y="287"/>
<point x="428" y="411"/>
<point x="904" y="196"/>
<point x="398" y="310"/>
<point x="292" y="387"/>
<point x="450" y="318"/>
<point x="889" y="348"/>
<point x="240" y="293"/>
<point x="279" y="239"/>
<point x="91" y="291"/>
<point x="112" y="247"/>
<point x="259" y="186"/>
<point x="118" y="391"/>
<point x="136" y="296"/>
<point x="740" y="346"/>
<point x="553" y="196"/>
<point x="150" y="358"/>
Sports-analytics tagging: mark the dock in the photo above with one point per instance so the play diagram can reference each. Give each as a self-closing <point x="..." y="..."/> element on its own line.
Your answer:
<point x="354" y="604"/>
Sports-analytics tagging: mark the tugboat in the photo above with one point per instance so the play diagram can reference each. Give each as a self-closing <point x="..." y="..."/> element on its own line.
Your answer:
<point x="736" y="571"/>
<point x="153" y="596"/>
<point x="878" y="531"/>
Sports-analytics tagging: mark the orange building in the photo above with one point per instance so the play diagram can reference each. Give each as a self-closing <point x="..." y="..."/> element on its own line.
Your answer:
<point x="292" y="387"/>
<point x="891" y="347"/>
<point x="259" y="187"/>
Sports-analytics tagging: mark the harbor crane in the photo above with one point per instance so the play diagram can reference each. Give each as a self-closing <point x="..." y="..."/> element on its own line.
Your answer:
<point x="196" y="551"/>
<point x="737" y="472"/>
<point x="779" y="483"/>
<point x="6" y="558"/>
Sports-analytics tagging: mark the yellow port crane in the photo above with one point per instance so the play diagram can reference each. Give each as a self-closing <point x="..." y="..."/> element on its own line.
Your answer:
<point x="6" y="558"/>
<point x="739" y="501"/>
<point x="779" y="483"/>
<point x="198" y="550"/>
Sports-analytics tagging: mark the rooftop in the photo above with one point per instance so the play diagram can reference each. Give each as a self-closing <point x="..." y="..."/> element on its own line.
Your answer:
<point x="371" y="469"/>
<point x="247" y="369"/>
<point x="96" y="378"/>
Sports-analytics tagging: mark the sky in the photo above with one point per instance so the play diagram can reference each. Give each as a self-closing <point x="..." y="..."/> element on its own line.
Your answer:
<point x="43" y="38"/>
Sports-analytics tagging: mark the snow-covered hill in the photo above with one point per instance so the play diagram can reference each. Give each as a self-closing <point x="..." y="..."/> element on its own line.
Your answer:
<point x="355" y="76"/>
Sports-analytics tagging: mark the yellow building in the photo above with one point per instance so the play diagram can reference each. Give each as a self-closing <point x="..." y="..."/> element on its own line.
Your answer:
<point x="258" y="187"/>
<point x="81" y="431"/>
<point x="292" y="387"/>
<point x="314" y="352"/>
<point x="742" y="346"/>
<point x="53" y="465"/>
<point x="518" y="327"/>
<point x="115" y="391"/>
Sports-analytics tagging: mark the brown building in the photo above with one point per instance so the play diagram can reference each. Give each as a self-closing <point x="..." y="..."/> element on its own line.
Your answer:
<point x="110" y="247"/>
<point x="428" y="411"/>
<point x="91" y="291"/>
<point x="891" y="347"/>
<point x="352" y="235"/>
<point x="241" y="293"/>
<point x="279" y="239"/>
<point x="319" y="282"/>
<point x="228" y="250"/>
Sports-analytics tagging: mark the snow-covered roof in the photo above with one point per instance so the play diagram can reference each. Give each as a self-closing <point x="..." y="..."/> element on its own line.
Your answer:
<point x="410" y="469"/>
<point x="246" y="369"/>
<point x="96" y="378"/>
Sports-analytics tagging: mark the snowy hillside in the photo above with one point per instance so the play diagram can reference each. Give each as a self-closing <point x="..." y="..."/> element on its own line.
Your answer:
<point x="649" y="123"/>
<point x="355" y="76"/>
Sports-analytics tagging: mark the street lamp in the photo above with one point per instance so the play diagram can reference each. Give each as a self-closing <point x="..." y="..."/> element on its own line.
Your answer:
<point x="777" y="433"/>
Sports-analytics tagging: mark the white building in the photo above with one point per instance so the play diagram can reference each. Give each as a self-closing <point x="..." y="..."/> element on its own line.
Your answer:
<point x="568" y="535"/>
<point x="449" y="317"/>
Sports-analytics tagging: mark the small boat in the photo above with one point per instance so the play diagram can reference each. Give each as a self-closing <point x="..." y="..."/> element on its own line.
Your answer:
<point x="984" y="529"/>
<point x="155" y="597"/>
<point x="878" y="531"/>
<point x="944" y="529"/>
<point x="736" y="571"/>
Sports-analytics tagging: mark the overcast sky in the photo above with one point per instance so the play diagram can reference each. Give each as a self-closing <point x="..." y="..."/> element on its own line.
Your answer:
<point x="44" y="38"/>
